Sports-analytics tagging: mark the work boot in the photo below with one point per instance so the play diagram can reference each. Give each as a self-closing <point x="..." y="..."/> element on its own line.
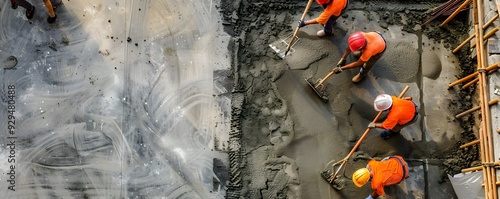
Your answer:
<point x="322" y="33"/>
<point x="13" y="4"/>
<point x="30" y="13"/>
<point x="51" y="19"/>
<point x="357" y="78"/>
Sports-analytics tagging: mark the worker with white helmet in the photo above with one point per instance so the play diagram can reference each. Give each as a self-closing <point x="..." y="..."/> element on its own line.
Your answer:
<point x="389" y="171"/>
<point x="401" y="113"/>
<point x="368" y="47"/>
<point x="333" y="9"/>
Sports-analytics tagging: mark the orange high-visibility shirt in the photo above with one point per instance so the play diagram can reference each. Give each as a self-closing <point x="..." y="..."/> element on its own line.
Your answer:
<point x="387" y="172"/>
<point x="375" y="44"/>
<point x="334" y="8"/>
<point x="401" y="112"/>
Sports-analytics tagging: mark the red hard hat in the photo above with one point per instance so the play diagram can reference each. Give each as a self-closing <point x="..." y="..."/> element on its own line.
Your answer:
<point x="321" y="2"/>
<point x="356" y="41"/>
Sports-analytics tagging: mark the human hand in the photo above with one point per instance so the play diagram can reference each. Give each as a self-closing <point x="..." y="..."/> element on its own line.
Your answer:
<point x="337" y="70"/>
<point x="52" y="19"/>
<point x="302" y="23"/>
<point x="371" y="125"/>
<point x="341" y="62"/>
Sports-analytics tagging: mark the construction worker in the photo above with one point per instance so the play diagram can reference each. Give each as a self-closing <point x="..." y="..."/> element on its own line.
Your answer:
<point x="30" y="8"/>
<point x="401" y="113"/>
<point x="333" y="9"/>
<point x="389" y="171"/>
<point x="51" y="5"/>
<point x="368" y="46"/>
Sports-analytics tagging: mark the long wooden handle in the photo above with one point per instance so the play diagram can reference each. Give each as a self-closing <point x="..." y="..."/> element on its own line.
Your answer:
<point x="492" y="102"/>
<point x="474" y="74"/>
<point x="486" y="36"/>
<point x="474" y="35"/>
<point x="298" y="28"/>
<point x="368" y="129"/>
<point x="324" y="79"/>
<point x="344" y="161"/>
<point x="466" y="3"/>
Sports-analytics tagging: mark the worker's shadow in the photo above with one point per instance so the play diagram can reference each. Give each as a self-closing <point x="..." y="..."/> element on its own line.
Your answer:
<point x="401" y="146"/>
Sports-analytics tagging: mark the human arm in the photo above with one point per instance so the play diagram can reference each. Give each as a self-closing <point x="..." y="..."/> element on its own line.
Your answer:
<point x="357" y="63"/>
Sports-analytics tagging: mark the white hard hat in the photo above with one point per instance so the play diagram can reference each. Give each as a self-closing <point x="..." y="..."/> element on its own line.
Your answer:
<point x="382" y="102"/>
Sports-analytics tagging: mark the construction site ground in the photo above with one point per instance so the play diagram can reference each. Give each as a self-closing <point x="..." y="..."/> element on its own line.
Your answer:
<point x="185" y="99"/>
<point x="289" y="135"/>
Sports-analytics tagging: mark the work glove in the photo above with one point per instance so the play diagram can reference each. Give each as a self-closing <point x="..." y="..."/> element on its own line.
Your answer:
<point x="371" y="125"/>
<point x="341" y="62"/>
<point x="337" y="70"/>
<point x="302" y="24"/>
<point x="52" y="19"/>
<point x="369" y="197"/>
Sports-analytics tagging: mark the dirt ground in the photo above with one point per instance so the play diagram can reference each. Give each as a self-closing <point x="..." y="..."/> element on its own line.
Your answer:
<point x="284" y="135"/>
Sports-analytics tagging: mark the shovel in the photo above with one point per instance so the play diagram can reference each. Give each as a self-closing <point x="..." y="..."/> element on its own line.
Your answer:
<point x="331" y="177"/>
<point x="318" y="86"/>
<point x="281" y="47"/>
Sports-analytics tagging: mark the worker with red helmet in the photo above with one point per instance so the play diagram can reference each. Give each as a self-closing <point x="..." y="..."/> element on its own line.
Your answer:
<point x="369" y="46"/>
<point x="401" y="113"/>
<point x="333" y="9"/>
<point x="389" y="171"/>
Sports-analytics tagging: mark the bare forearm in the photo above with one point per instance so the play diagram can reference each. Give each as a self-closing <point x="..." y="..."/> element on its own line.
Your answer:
<point x="311" y="21"/>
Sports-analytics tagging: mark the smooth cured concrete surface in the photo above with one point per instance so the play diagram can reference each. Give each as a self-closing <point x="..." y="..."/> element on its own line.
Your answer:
<point x="116" y="99"/>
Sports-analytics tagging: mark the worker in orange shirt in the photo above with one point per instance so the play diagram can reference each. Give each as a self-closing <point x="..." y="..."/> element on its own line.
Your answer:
<point x="333" y="9"/>
<point x="401" y="113"/>
<point x="368" y="47"/>
<point x="389" y="171"/>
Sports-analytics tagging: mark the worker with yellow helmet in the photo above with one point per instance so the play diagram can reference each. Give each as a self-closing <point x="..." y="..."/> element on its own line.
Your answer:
<point x="389" y="171"/>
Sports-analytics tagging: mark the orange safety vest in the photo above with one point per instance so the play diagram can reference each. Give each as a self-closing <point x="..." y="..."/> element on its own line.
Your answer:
<point x="389" y="171"/>
<point x="401" y="112"/>
<point x="375" y="44"/>
<point x="333" y="9"/>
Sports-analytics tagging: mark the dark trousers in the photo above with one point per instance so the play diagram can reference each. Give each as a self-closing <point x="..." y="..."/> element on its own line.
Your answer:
<point x="369" y="64"/>
<point x="328" y="27"/>
<point x="24" y="4"/>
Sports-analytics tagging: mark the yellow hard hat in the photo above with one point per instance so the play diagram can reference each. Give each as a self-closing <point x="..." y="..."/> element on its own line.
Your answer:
<point x="361" y="177"/>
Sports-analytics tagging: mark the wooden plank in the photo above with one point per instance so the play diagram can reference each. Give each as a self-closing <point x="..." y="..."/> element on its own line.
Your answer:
<point x="497" y="2"/>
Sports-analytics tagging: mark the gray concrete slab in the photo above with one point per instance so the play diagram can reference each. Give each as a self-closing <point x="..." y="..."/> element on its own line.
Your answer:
<point x="116" y="99"/>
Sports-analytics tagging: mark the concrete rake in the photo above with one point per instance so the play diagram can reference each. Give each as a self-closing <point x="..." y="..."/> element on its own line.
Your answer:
<point x="318" y="86"/>
<point x="332" y="177"/>
<point x="281" y="47"/>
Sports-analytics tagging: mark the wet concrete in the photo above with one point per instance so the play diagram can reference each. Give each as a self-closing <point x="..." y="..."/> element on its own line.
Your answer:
<point x="325" y="132"/>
